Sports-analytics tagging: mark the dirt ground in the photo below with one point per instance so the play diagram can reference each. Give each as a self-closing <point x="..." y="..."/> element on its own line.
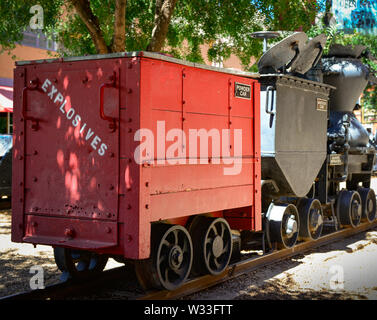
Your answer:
<point x="17" y="260"/>
<point x="346" y="269"/>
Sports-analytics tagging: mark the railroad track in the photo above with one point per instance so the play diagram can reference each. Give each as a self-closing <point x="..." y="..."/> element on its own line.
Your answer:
<point x="90" y="285"/>
<point x="69" y="288"/>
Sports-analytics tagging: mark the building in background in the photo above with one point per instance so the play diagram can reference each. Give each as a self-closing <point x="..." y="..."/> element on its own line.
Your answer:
<point x="359" y="15"/>
<point x="35" y="45"/>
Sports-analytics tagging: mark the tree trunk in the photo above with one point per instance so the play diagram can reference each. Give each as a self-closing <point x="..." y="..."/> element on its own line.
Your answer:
<point x="119" y="37"/>
<point x="163" y="13"/>
<point x="327" y="16"/>
<point x="91" y="21"/>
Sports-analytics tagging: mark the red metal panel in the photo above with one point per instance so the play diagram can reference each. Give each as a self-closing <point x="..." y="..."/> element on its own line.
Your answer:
<point x="164" y="122"/>
<point x="133" y="198"/>
<point x="18" y="180"/>
<point x="80" y="147"/>
<point x="257" y="209"/>
<point x="68" y="148"/>
<point x="240" y="107"/>
<point x="205" y="92"/>
<point x="72" y="233"/>
<point x="247" y="129"/>
<point x="163" y="80"/>
<point x="172" y="205"/>
<point x="186" y="178"/>
<point x="210" y="127"/>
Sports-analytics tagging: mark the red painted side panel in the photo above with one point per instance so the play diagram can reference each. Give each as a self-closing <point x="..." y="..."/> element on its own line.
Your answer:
<point x="185" y="181"/>
<point x="257" y="211"/>
<point x="18" y="181"/>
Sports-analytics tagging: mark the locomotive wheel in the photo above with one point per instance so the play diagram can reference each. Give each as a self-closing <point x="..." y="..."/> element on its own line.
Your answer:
<point x="311" y="219"/>
<point x="171" y="258"/>
<point x="349" y="208"/>
<point x="212" y="240"/>
<point x="368" y="202"/>
<point x="284" y="224"/>
<point x="78" y="263"/>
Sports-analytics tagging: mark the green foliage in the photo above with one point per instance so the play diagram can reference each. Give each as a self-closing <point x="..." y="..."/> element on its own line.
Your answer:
<point x="369" y="99"/>
<point x="335" y="36"/>
<point x="288" y="14"/>
<point x="225" y="25"/>
<point x="15" y="18"/>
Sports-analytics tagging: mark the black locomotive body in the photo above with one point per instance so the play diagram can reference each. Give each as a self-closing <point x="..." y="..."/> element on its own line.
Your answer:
<point x="351" y="154"/>
<point x="317" y="159"/>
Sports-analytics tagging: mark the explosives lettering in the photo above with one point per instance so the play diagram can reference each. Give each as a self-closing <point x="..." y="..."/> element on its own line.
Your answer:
<point x="76" y="119"/>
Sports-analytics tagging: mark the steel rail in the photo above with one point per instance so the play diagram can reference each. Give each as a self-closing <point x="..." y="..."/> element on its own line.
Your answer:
<point x="242" y="267"/>
<point x="80" y="288"/>
<point x="70" y="287"/>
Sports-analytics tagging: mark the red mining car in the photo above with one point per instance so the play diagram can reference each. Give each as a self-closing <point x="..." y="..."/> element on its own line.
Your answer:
<point x="137" y="156"/>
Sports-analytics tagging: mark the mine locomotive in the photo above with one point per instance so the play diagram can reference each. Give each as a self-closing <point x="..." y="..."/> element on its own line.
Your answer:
<point x="177" y="168"/>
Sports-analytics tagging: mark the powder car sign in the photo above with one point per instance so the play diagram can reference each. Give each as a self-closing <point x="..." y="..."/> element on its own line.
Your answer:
<point x="242" y="91"/>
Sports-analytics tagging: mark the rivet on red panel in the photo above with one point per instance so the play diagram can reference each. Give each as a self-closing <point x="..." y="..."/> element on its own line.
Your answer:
<point x="68" y="232"/>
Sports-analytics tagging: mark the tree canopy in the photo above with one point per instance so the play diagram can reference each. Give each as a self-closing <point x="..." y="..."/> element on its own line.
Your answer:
<point x="177" y="27"/>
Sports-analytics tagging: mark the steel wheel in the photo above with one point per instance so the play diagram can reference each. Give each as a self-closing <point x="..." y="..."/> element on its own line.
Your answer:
<point x="311" y="219"/>
<point x="284" y="224"/>
<point x="368" y="202"/>
<point x="171" y="258"/>
<point x="78" y="263"/>
<point x="349" y="208"/>
<point x="212" y="239"/>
